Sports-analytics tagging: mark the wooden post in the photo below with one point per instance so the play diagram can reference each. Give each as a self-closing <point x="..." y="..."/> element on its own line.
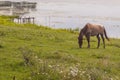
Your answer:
<point x="49" y="21"/>
<point x="23" y="19"/>
<point x="26" y="20"/>
<point x="46" y="21"/>
<point x="29" y="20"/>
<point x="20" y="20"/>
<point x="33" y="20"/>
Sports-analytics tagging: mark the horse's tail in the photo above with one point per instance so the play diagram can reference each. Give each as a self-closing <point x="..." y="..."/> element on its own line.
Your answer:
<point x="106" y="34"/>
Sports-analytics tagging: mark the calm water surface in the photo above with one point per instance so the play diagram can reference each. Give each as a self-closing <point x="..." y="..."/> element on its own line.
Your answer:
<point x="76" y="13"/>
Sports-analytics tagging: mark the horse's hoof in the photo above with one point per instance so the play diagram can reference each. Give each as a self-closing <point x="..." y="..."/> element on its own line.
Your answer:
<point x="97" y="47"/>
<point x="88" y="47"/>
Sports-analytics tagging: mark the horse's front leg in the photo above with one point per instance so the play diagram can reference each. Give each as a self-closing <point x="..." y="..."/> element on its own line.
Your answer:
<point x="88" y="40"/>
<point x="98" y="37"/>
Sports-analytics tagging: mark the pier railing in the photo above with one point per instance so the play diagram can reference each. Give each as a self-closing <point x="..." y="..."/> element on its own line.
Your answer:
<point x="24" y="20"/>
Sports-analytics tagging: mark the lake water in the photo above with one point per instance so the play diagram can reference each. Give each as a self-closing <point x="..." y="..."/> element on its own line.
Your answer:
<point x="76" y="13"/>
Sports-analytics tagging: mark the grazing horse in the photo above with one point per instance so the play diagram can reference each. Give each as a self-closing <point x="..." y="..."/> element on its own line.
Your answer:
<point x="92" y="30"/>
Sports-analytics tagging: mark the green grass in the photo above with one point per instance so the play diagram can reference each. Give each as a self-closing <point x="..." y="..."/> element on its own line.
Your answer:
<point x="31" y="52"/>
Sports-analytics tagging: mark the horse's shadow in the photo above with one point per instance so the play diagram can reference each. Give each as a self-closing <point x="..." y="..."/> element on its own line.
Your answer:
<point x="84" y="48"/>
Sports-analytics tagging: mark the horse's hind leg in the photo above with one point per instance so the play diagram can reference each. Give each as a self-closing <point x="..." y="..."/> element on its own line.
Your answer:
<point x="103" y="40"/>
<point x="98" y="37"/>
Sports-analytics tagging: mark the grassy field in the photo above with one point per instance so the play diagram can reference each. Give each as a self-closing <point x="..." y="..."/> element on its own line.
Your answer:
<point x="31" y="52"/>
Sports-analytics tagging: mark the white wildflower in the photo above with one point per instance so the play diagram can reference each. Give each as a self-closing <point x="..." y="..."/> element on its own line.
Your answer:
<point x="29" y="78"/>
<point x="36" y="57"/>
<point x="74" y="71"/>
<point x="38" y="73"/>
<point x="58" y="65"/>
<point x="111" y="78"/>
<point x="50" y="66"/>
<point x="83" y="72"/>
<point x="61" y="71"/>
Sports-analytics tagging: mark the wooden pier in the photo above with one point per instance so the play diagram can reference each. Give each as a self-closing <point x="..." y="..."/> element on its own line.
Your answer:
<point x="16" y="8"/>
<point x="24" y="20"/>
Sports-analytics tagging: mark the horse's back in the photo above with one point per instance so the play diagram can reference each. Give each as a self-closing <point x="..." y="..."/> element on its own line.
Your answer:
<point x="96" y="26"/>
<point x="94" y="29"/>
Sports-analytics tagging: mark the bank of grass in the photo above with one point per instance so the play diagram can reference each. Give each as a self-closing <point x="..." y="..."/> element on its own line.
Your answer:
<point x="31" y="52"/>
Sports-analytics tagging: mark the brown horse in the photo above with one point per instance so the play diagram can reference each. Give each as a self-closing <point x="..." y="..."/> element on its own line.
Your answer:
<point x="92" y="30"/>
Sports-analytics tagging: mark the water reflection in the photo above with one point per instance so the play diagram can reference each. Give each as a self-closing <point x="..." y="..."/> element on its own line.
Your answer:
<point x="73" y="15"/>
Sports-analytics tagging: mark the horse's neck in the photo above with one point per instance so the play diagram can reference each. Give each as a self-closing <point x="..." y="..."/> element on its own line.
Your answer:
<point x="82" y="31"/>
<point x="81" y="35"/>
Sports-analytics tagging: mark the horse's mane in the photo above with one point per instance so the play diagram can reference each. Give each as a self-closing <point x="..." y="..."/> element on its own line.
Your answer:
<point x="83" y="30"/>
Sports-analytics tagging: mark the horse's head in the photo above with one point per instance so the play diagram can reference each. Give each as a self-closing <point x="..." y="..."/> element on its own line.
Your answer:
<point x="80" y="42"/>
